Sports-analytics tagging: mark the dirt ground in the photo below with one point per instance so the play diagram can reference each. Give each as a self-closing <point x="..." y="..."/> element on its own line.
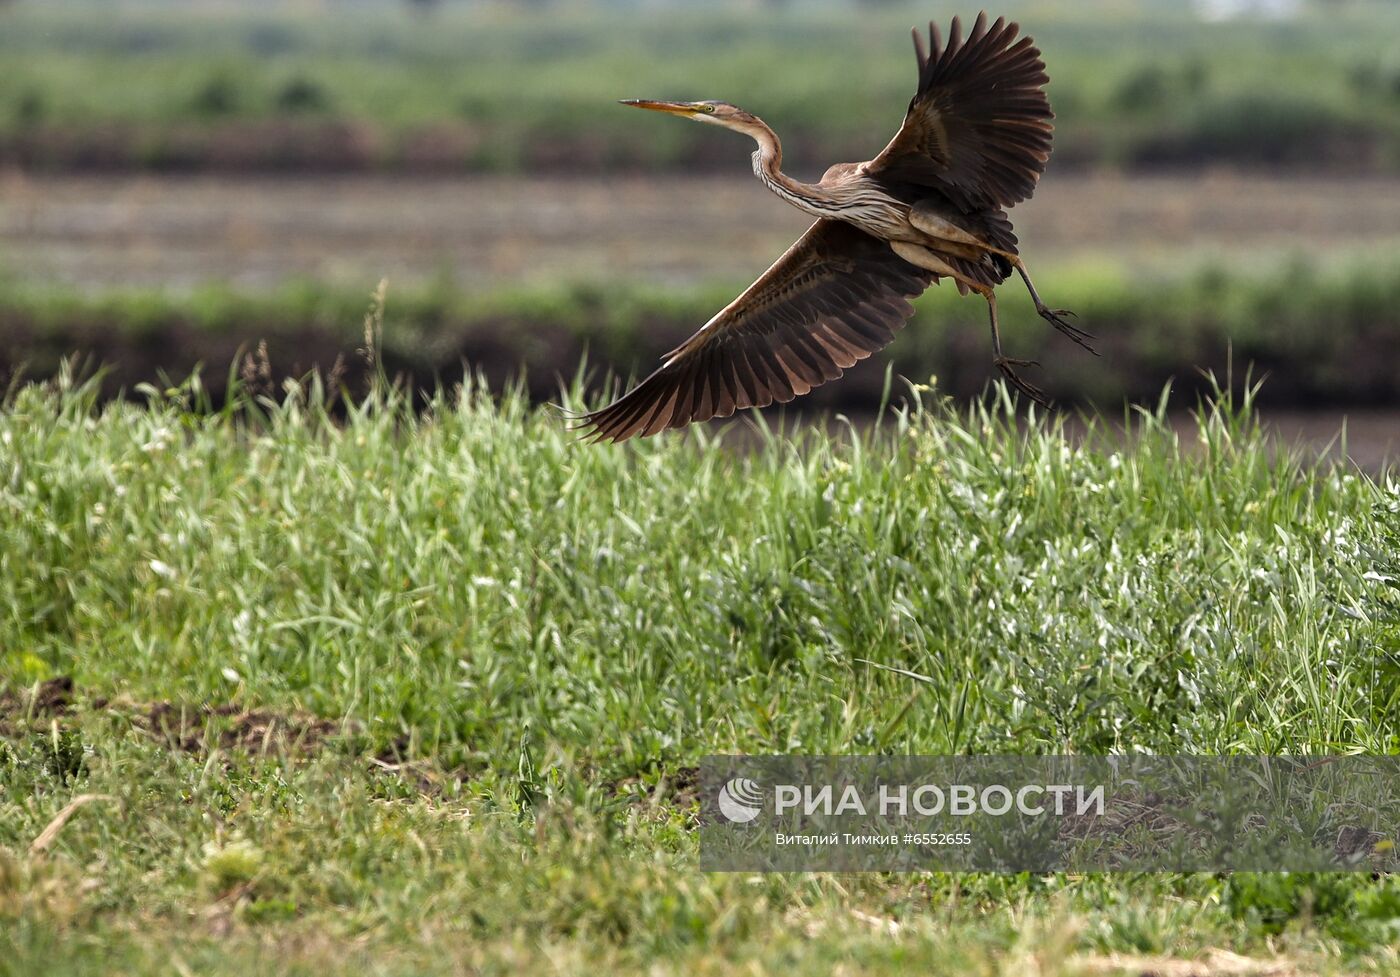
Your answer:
<point x="99" y="232"/>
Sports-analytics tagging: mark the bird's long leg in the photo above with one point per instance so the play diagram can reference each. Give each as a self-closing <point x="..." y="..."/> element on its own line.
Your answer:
<point x="923" y="257"/>
<point x="1056" y="317"/>
<point x="1005" y="363"/>
<point x="936" y="226"/>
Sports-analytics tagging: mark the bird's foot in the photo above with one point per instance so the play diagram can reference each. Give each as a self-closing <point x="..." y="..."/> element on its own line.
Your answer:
<point x="1057" y="318"/>
<point x="1007" y="367"/>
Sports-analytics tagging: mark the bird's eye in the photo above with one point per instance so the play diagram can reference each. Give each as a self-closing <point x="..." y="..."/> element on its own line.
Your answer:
<point x="710" y="109"/>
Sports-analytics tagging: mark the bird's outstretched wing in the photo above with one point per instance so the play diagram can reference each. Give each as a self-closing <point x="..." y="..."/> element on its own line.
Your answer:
<point x="833" y="298"/>
<point x="978" y="128"/>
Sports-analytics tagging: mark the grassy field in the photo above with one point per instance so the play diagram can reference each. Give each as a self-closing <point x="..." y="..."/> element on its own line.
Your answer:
<point x="193" y="86"/>
<point x="422" y="691"/>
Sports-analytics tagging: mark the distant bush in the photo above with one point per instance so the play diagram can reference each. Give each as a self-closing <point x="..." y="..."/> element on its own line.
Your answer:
<point x="217" y="96"/>
<point x="302" y="94"/>
<point x="1260" y="128"/>
<point x="1155" y="86"/>
<point x="1148" y="88"/>
<point x="30" y="109"/>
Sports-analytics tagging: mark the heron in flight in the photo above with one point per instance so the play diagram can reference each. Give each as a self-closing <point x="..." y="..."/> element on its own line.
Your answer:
<point x="931" y="205"/>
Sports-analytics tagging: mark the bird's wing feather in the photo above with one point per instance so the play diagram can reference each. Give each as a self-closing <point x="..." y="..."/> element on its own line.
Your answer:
<point x="836" y="296"/>
<point x="978" y="128"/>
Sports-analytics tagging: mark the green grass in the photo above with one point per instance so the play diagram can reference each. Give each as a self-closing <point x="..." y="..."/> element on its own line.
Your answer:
<point x="192" y="86"/>
<point x="496" y="650"/>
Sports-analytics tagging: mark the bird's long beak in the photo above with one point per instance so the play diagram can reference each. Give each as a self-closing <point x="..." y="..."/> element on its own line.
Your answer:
<point x="674" y="108"/>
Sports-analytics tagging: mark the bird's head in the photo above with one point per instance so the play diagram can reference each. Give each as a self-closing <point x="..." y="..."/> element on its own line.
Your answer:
<point x="715" y="113"/>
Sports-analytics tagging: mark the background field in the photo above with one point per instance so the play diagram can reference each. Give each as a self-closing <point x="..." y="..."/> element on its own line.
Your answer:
<point x="524" y="279"/>
<point x="348" y="676"/>
<point x="1206" y="206"/>
<point x="509" y="87"/>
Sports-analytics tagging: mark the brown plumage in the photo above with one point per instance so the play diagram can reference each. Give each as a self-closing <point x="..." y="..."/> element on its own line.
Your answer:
<point x="835" y="297"/>
<point x="978" y="128"/>
<point x="975" y="140"/>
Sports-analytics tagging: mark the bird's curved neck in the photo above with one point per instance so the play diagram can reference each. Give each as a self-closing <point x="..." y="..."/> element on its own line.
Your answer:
<point x="767" y="166"/>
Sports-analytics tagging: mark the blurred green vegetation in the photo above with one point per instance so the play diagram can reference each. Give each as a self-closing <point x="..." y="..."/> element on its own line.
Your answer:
<point x="1324" y="337"/>
<point x="487" y="88"/>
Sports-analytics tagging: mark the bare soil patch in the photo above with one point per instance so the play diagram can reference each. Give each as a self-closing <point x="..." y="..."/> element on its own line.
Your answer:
<point x="21" y="706"/>
<point x="194" y="729"/>
<point x="679" y="788"/>
<point x="482" y="231"/>
<point x="185" y="727"/>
